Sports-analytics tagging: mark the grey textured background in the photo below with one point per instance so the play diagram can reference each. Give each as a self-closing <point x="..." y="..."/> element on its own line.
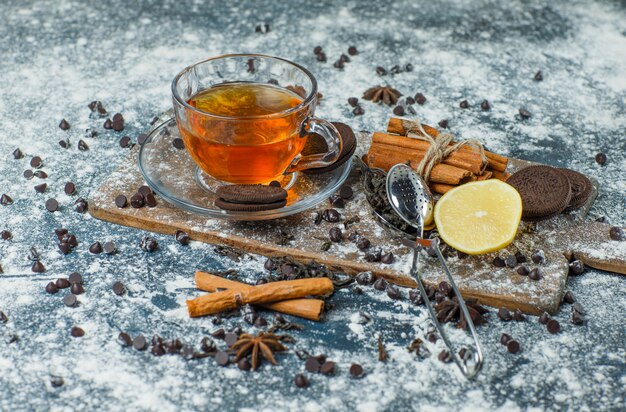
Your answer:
<point x="57" y="56"/>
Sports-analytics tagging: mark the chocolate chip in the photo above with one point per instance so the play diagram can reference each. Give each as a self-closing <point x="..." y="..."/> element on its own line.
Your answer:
<point x="535" y="274"/>
<point x="331" y="215"/>
<point x="36" y="162"/>
<point x="569" y="297"/>
<point x="121" y="201"/>
<point x="125" y="142"/>
<point x="38" y="267"/>
<point x="363" y="243"/>
<point x="64" y="125"/>
<point x="51" y="288"/>
<point x="395" y="69"/>
<point x="464" y="104"/>
<point x="124" y="339"/>
<point x="5" y="200"/>
<point x="28" y="174"/>
<point x="70" y="300"/>
<point x="41" y="188"/>
<point x="17" y="154"/>
<point x="346" y="192"/>
<point x="356" y="370"/>
<point x="522" y="271"/>
<point x="118" y="122"/>
<point x="521" y="258"/>
<point x="358" y="111"/>
<point x="409" y="101"/>
<point x="219" y="334"/>
<point x="373" y="256"/>
<point x="118" y="288"/>
<point x="182" y="237"/>
<point x="504" y="314"/>
<point x="150" y="200"/>
<point x="518" y="316"/>
<point x="70" y="188"/>
<point x="544" y="318"/>
<point x="352" y="51"/>
<point x="149" y="244"/>
<point x="82" y="146"/>
<point x="335" y="234"/>
<point x="538" y="257"/>
<point x="365" y="278"/>
<point x="108" y="124"/>
<point x="421" y="99"/>
<point x="577" y="318"/>
<point x="91" y="133"/>
<point x="52" y="205"/>
<point x="525" y="114"/>
<point x="81" y="205"/>
<point x="393" y="292"/>
<point x="317" y="50"/>
<point x="312" y="365"/>
<point x="5" y="235"/>
<point x="3" y="317"/>
<point x="65" y="248"/>
<point x="41" y="174"/>
<point x="328" y="368"/>
<point x="230" y="338"/>
<point x="141" y="139"/>
<point x="140" y="343"/>
<point x="381" y="71"/>
<point x="62" y="283"/>
<point x="576" y="268"/>
<point x="344" y="58"/>
<point x="338" y="64"/>
<point x="353" y="101"/>
<point x="178" y="143"/>
<point x="505" y="338"/>
<point x="485" y="105"/>
<point x="512" y="346"/>
<point x="444" y="356"/>
<point x="408" y="67"/>
<point x="77" y="289"/>
<point x="56" y="381"/>
<point x="301" y="381"/>
<point x="95" y="248"/>
<point x="221" y="358"/>
<point x="511" y="261"/>
<point x="398" y="111"/>
<point x="109" y="248"/>
<point x="380" y="284"/>
<point x="617" y="233"/>
<point x="65" y="143"/>
<point x="336" y="201"/>
<point x="77" y="332"/>
<point x="553" y="326"/>
<point x="498" y="262"/>
<point x="321" y="57"/>
<point x="538" y="76"/>
<point x="387" y="258"/>
<point x="137" y="201"/>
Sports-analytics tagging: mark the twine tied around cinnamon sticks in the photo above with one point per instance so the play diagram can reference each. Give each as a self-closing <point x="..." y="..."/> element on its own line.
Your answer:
<point x="440" y="147"/>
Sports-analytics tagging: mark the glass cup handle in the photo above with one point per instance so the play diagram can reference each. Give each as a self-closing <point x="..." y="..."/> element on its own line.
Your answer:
<point x="331" y="137"/>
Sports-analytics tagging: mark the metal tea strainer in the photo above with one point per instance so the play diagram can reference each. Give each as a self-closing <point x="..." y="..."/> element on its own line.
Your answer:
<point x="412" y="200"/>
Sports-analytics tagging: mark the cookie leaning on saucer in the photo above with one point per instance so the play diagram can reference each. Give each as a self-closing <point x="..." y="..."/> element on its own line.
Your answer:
<point x="250" y="198"/>
<point x="545" y="191"/>
<point x="316" y="144"/>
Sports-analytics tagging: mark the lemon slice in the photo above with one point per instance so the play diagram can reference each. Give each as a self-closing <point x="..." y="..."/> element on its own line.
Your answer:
<point x="479" y="217"/>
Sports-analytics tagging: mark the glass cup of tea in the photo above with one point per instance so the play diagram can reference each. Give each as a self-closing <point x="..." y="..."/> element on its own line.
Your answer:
<point x="245" y="118"/>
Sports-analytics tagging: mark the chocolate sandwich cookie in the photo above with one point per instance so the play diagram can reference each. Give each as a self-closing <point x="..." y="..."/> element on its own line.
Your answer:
<point x="316" y="144"/>
<point x="581" y="188"/>
<point x="545" y="191"/>
<point x="250" y="198"/>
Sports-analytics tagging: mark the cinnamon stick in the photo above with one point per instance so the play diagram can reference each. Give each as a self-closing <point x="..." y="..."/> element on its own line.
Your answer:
<point x="417" y="148"/>
<point x="385" y="157"/>
<point x="403" y="126"/>
<point x="500" y="175"/>
<point x="305" y="308"/>
<point x="213" y="303"/>
<point x="440" y="188"/>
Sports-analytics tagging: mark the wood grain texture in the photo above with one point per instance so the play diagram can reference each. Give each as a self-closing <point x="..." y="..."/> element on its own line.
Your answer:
<point x="560" y="238"/>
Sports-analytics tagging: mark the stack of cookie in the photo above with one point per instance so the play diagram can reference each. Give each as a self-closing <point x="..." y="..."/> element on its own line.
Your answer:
<point x="547" y="191"/>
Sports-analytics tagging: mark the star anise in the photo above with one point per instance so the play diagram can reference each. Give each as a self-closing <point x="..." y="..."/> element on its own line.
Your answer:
<point x="449" y="310"/>
<point x="262" y="344"/>
<point x="385" y="94"/>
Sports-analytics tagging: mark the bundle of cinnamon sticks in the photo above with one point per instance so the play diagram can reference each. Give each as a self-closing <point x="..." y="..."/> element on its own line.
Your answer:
<point x="289" y="297"/>
<point x="464" y="165"/>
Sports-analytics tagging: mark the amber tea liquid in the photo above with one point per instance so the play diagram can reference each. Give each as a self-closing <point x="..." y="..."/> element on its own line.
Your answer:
<point x="246" y="149"/>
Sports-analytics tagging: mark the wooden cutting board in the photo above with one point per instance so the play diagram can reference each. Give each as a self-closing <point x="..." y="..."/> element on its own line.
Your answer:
<point x="560" y="238"/>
